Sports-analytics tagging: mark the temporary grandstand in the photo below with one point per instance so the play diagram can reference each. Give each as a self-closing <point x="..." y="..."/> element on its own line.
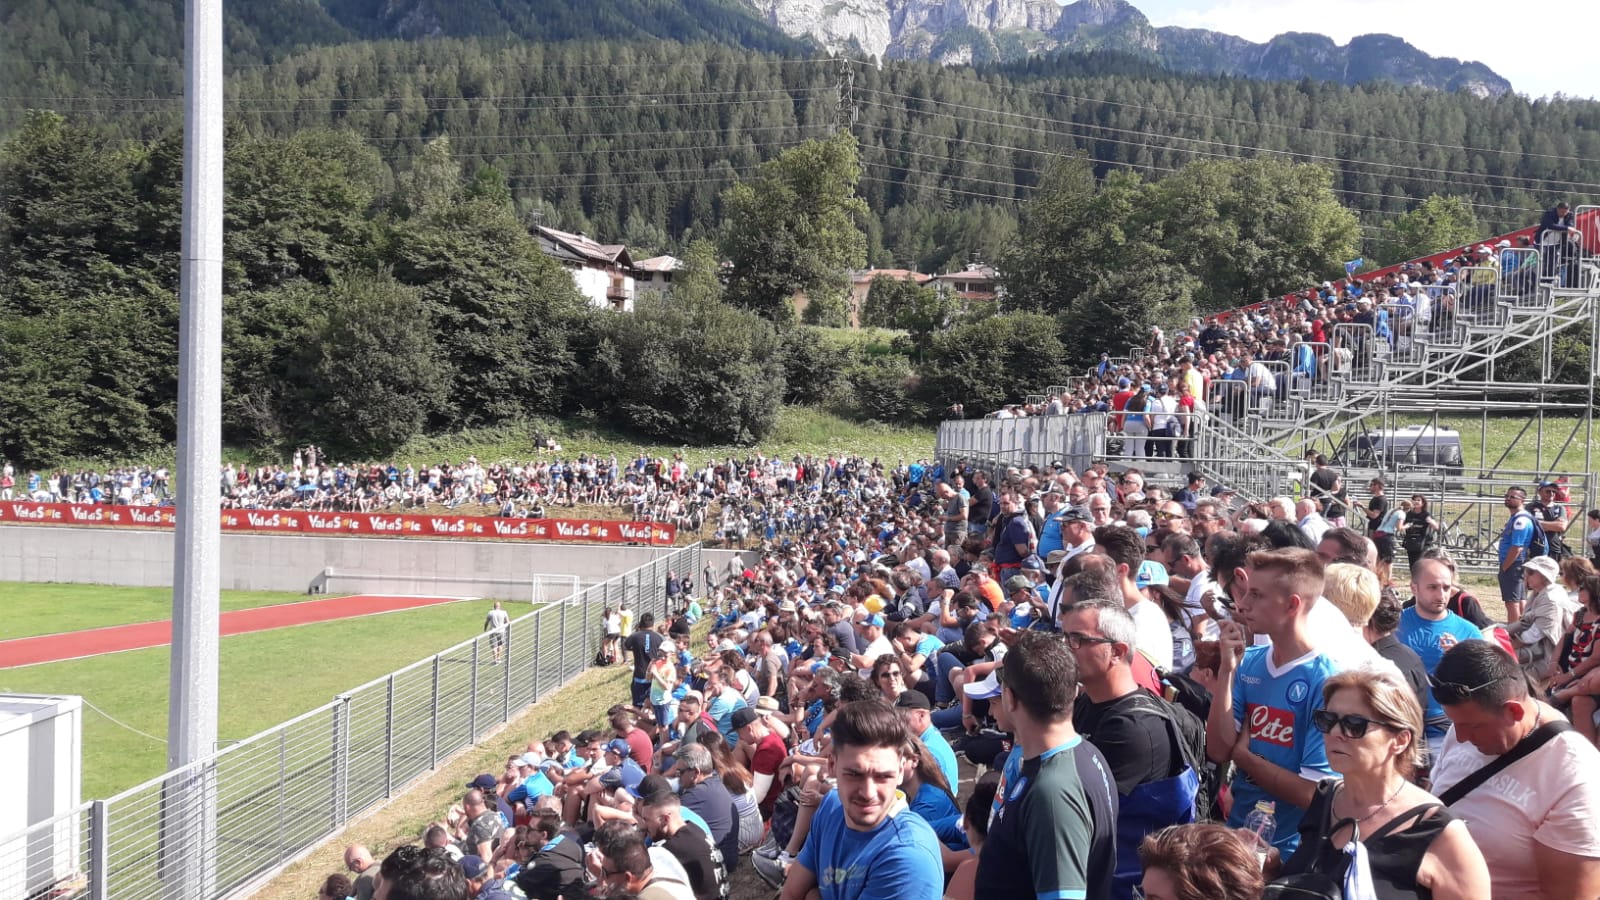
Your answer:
<point x="1377" y="404"/>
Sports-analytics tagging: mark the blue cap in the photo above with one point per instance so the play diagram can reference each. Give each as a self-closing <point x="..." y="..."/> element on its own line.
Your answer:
<point x="1151" y="573"/>
<point x="875" y="620"/>
<point x="619" y="747"/>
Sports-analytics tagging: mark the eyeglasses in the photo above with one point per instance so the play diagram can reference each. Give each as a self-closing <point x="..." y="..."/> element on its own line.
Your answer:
<point x="1351" y="726"/>
<point x="1165" y="516"/>
<point x="1076" y="640"/>
<point x="1450" y="693"/>
<point x="606" y="873"/>
<point x="890" y="673"/>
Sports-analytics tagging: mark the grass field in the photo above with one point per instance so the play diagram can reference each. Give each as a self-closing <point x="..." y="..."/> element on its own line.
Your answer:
<point x="266" y="677"/>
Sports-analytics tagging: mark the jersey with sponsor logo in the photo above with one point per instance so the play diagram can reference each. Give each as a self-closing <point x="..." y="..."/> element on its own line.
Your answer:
<point x="1275" y="703"/>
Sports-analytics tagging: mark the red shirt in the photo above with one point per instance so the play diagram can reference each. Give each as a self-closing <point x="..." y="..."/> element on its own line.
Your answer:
<point x="768" y="760"/>
<point x="639" y="744"/>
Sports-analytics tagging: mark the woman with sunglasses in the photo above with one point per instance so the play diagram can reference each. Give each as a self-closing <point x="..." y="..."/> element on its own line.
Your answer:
<point x="888" y="677"/>
<point x="1372" y="727"/>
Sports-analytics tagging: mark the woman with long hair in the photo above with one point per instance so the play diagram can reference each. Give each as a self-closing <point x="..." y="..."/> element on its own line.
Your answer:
<point x="740" y="783"/>
<point x="929" y="795"/>
<point x="887" y="677"/>
<point x="1416" y="526"/>
<point x="1578" y="682"/>
<point x="1415" y="847"/>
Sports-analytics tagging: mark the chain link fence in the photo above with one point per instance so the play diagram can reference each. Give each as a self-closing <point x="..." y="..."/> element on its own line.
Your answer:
<point x="229" y="821"/>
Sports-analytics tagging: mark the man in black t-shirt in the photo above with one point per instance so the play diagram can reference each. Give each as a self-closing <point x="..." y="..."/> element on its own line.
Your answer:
<point x="982" y="508"/>
<point x="1328" y="488"/>
<point x="642" y="645"/>
<point x="1137" y="732"/>
<point x="660" y="813"/>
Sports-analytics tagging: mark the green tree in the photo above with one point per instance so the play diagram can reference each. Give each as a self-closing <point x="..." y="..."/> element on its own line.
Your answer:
<point x="370" y="377"/>
<point x="1438" y="223"/>
<point x="1117" y="311"/>
<point x="794" y="227"/>
<point x="1250" y="229"/>
<point x="990" y="362"/>
<point x="697" y="371"/>
<point x="696" y="281"/>
<point x="1054" y="257"/>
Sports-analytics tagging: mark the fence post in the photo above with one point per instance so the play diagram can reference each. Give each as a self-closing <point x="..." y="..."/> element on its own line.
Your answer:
<point x="561" y="659"/>
<point x="433" y="726"/>
<point x="388" y="740"/>
<point x="98" y="852"/>
<point x="341" y="756"/>
<point x="538" y="626"/>
<point x="505" y="676"/>
<point x="472" y="692"/>
<point x="284" y="849"/>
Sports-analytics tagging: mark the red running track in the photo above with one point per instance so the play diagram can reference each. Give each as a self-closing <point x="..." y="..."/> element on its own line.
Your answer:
<point x="30" y="651"/>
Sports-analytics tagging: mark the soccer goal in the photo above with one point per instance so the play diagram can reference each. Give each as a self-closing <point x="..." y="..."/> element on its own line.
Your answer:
<point x="546" y="587"/>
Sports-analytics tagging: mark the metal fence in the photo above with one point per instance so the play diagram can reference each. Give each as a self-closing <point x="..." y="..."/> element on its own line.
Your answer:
<point x="1073" y="440"/>
<point x="272" y="796"/>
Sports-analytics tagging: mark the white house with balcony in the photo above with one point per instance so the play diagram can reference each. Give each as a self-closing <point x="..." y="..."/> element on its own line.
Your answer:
<point x="602" y="272"/>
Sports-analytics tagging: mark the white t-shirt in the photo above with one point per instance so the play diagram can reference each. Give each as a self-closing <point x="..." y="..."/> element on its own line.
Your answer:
<point x="874" y="650"/>
<point x="1154" y="636"/>
<point x="1549" y="796"/>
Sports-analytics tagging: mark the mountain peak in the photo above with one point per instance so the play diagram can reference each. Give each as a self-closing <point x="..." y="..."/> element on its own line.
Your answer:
<point x="974" y="31"/>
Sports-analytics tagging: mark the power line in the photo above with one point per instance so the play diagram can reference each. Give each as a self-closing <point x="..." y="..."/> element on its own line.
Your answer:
<point x="1537" y="183"/>
<point x="1038" y="92"/>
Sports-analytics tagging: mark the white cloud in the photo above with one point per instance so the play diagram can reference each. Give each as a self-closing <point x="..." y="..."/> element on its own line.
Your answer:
<point x="1536" y="49"/>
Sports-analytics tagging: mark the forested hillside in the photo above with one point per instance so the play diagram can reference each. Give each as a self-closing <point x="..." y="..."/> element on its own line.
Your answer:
<point x="634" y="142"/>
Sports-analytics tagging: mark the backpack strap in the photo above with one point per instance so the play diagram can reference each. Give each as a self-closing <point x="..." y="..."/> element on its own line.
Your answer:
<point x="1537" y="738"/>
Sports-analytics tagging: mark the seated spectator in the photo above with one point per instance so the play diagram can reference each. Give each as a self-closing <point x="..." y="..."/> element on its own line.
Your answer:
<point x="660" y="814"/>
<point x="413" y="873"/>
<point x="335" y="887"/>
<point x="1547" y="615"/>
<point x="621" y="862"/>
<point x="552" y="862"/>
<point x="1199" y="862"/>
<point x="873" y="840"/>
<point x="1537" y="819"/>
<point x="705" y="794"/>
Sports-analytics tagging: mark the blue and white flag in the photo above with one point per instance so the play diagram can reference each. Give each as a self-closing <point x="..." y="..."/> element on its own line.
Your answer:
<point x="1354" y="264"/>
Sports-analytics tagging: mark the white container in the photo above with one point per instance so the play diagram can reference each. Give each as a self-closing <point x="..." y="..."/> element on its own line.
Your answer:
<point x="41" y="755"/>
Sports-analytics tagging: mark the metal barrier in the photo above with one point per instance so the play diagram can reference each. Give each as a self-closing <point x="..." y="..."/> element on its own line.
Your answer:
<point x="1357" y="342"/>
<point x="1072" y="440"/>
<point x="290" y="787"/>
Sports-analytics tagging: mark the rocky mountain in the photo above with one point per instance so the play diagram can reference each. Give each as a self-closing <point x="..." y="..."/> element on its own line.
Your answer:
<point x="971" y="31"/>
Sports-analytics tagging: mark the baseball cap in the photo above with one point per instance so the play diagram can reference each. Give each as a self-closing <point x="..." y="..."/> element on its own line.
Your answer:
<point x="483" y="782"/>
<point x="1076" y="514"/>
<point x="529" y="759"/>
<point x="474" y="866"/>
<point x="1547" y="484"/>
<point x="1033" y="564"/>
<point x="912" y="700"/>
<point x="650" y="785"/>
<point x="840" y="653"/>
<point x="1151" y="573"/>
<point x="874" y="620"/>
<point x="619" y="747"/>
<point x="693" y="695"/>
<point x="1018" y="583"/>
<point x="743" y="717"/>
<point x="1221" y="489"/>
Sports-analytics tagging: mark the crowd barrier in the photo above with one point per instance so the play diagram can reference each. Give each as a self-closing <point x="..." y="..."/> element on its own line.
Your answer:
<point x="229" y="822"/>
<point x="281" y="521"/>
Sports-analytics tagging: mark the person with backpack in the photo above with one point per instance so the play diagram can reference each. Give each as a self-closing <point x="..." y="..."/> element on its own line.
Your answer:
<point x="1153" y="758"/>
<point x="1551" y="515"/>
<point x="1520" y="541"/>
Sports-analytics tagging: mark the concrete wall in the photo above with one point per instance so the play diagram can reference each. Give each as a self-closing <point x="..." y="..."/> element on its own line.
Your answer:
<point x="259" y="562"/>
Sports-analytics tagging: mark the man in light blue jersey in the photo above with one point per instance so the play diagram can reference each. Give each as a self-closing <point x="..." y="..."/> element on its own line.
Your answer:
<point x="1262" y="703"/>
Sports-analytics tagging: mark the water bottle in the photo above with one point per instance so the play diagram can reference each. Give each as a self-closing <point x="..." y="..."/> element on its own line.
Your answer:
<point x="1262" y="825"/>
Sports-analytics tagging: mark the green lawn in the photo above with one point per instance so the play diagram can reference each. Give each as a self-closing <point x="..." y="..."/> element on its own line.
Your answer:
<point x="266" y="677"/>
<point x="34" y="609"/>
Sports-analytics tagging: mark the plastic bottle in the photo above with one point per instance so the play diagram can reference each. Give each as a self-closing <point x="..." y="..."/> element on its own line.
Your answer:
<point x="1262" y="824"/>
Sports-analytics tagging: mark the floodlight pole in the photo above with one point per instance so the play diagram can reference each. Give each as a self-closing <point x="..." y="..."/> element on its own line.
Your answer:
<point x="189" y="823"/>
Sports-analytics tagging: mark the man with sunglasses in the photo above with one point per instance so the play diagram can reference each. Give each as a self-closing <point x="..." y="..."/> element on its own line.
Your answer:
<point x="1537" y="818"/>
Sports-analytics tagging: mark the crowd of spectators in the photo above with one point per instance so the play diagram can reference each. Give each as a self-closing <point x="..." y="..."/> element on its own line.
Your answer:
<point x="1244" y="362"/>
<point x="1055" y="683"/>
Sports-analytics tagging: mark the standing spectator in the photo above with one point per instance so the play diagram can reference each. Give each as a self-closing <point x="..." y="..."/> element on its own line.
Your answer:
<point x="1327" y="488"/>
<point x="982" y="507"/>
<point x="1551" y="515"/>
<point x="498" y="625"/>
<point x="1418" y="529"/>
<point x="641" y="646"/>
<point x="1134" y="730"/>
<point x="1261" y="704"/>
<point x="1430" y="629"/>
<point x="864" y="841"/>
<point x="1521" y="779"/>
<point x="1515" y="550"/>
<point x="1414" y="846"/>
<point x="1054" y="835"/>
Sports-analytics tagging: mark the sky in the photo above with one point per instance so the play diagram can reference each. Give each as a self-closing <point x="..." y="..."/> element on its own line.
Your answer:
<point x="1542" y="49"/>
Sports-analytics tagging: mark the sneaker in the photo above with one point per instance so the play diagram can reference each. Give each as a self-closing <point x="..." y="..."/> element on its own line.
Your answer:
<point x="772" y="871"/>
<point x="769" y="847"/>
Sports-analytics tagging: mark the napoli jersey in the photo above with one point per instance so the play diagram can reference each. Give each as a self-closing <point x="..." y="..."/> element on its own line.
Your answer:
<point x="1430" y="640"/>
<point x="1275" y="704"/>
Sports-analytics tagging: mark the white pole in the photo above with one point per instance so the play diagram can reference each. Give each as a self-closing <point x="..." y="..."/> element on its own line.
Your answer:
<point x="189" y="828"/>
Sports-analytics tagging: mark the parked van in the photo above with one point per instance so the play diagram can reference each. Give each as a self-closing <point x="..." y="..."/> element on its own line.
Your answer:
<point x="1411" y="447"/>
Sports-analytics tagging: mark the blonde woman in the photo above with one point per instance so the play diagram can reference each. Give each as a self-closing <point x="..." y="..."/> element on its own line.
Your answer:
<point x="1415" y="847"/>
